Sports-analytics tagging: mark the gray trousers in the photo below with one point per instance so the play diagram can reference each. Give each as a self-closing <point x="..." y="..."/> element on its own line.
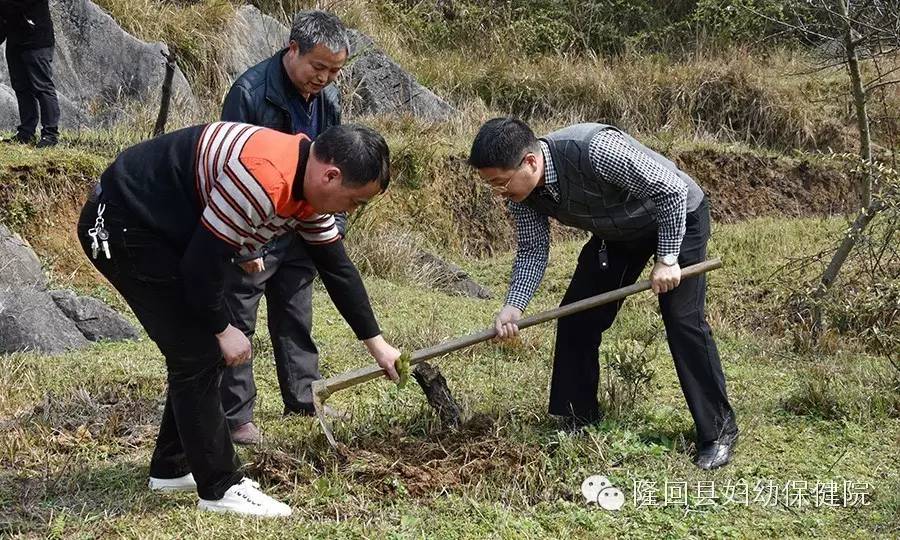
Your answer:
<point x="287" y="284"/>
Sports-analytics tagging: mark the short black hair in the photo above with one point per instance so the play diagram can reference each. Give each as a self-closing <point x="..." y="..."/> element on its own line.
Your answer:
<point x="361" y="154"/>
<point x="501" y="143"/>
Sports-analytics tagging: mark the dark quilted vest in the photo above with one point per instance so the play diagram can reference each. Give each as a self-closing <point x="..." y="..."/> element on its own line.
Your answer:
<point x="589" y="202"/>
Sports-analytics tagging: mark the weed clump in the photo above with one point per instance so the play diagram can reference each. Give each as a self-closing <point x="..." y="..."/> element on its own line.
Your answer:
<point x="837" y="393"/>
<point x="629" y="375"/>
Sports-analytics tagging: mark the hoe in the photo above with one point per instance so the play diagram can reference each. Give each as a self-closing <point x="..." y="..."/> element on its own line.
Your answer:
<point x="324" y="388"/>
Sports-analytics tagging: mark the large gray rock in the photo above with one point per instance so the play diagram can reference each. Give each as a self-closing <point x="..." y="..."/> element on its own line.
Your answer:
<point x="449" y="278"/>
<point x="93" y="318"/>
<point x="71" y="115"/>
<point x="378" y="85"/>
<point x="256" y="36"/>
<point x="99" y="69"/>
<point x="19" y="266"/>
<point x="31" y="321"/>
<point x="8" y="109"/>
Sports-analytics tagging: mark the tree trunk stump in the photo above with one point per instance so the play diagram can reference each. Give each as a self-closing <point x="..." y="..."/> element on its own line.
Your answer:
<point x="438" y="394"/>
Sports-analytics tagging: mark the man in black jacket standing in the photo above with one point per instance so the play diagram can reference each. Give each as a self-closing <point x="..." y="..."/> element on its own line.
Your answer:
<point x="28" y="29"/>
<point x="290" y="92"/>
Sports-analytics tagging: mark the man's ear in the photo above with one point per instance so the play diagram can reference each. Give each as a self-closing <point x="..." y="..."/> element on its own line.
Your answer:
<point x="532" y="160"/>
<point x="332" y="174"/>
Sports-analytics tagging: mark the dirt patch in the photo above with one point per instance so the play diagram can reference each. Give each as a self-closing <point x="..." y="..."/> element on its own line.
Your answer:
<point x="273" y="466"/>
<point x="443" y="462"/>
<point x="394" y="463"/>
<point x="744" y="186"/>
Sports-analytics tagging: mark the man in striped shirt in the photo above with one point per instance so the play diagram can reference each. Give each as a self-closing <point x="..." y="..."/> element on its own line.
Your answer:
<point x="177" y="209"/>
<point x="637" y="204"/>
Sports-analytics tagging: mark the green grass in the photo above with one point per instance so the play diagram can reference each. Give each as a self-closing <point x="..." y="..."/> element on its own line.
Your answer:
<point x="77" y="430"/>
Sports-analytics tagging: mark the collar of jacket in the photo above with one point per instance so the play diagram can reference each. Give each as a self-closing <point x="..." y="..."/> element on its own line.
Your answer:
<point x="275" y="90"/>
<point x="305" y="147"/>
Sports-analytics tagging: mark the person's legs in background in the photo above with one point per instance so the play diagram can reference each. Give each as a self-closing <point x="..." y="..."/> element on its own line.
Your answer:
<point x="39" y="68"/>
<point x="25" y="98"/>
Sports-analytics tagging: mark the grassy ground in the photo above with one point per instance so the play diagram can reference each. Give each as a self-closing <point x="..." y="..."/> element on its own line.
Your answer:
<point x="76" y="431"/>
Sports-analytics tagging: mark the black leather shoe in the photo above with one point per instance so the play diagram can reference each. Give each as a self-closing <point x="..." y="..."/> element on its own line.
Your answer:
<point x="717" y="453"/>
<point x="46" y="142"/>
<point x="18" y="139"/>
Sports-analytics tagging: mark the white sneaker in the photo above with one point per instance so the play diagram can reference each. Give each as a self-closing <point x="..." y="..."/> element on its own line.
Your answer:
<point x="182" y="483"/>
<point x="246" y="498"/>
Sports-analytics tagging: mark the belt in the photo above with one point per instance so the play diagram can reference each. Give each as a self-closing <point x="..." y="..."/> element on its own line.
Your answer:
<point x="95" y="193"/>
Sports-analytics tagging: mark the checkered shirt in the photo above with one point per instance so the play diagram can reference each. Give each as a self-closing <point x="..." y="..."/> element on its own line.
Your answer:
<point x="619" y="163"/>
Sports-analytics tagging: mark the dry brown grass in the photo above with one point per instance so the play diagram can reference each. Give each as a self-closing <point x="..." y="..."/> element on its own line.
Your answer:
<point x="732" y="96"/>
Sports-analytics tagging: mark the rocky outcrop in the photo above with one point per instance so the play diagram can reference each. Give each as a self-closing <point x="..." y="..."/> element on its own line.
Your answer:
<point x="93" y="318"/>
<point x="400" y="256"/>
<point x="19" y="265"/>
<point x="449" y="278"/>
<point x="99" y="69"/>
<point x="33" y="319"/>
<point x="376" y="84"/>
<point x="255" y="36"/>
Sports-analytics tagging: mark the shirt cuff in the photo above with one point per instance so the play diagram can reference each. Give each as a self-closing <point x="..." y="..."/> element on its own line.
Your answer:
<point x="668" y="246"/>
<point x="517" y="300"/>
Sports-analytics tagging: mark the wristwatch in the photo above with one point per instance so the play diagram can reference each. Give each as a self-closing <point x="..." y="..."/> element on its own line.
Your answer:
<point x="669" y="260"/>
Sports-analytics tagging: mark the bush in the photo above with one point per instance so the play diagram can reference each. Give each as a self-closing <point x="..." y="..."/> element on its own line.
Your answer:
<point x="864" y="301"/>
<point x="742" y="21"/>
<point x="609" y="27"/>
<point x="816" y="396"/>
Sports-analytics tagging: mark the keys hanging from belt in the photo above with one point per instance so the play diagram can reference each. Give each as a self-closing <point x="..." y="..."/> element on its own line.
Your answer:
<point x="603" y="256"/>
<point x="99" y="235"/>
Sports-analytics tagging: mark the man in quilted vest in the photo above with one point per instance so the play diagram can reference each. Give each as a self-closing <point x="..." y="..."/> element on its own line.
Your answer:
<point x="636" y="204"/>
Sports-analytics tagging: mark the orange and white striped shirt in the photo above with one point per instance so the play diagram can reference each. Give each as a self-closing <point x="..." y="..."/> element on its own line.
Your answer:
<point x="211" y="190"/>
<point x="244" y="180"/>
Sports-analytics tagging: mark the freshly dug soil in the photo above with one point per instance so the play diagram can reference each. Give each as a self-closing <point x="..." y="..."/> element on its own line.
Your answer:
<point x="743" y="186"/>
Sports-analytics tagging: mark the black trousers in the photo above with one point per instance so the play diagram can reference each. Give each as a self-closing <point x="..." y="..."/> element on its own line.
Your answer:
<point x="576" y="370"/>
<point x="287" y="284"/>
<point x="31" y="77"/>
<point x="193" y="436"/>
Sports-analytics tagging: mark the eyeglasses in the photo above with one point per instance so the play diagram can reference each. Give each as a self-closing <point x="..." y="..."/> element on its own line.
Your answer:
<point x="499" y="189"/>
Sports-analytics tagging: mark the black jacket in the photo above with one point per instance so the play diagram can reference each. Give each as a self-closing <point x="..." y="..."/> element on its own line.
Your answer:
<point x="26" y="24"/>
<point x="259" y="97"/>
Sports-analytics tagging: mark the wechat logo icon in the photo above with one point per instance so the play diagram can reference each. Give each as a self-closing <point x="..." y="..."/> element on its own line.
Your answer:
<point x="599" y="490"/>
